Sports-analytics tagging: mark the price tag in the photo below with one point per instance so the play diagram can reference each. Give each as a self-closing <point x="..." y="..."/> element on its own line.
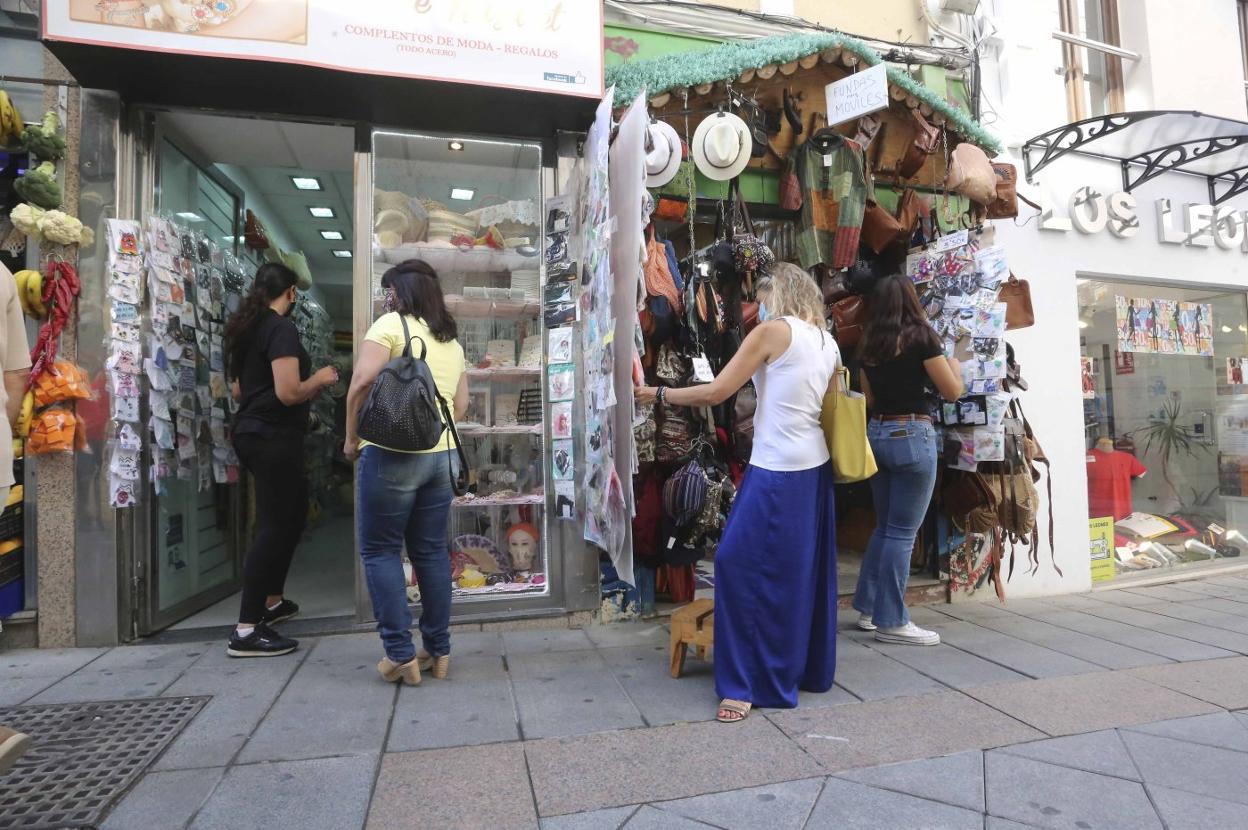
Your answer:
<point x="827" y="160"/>
<point x="953" y="240"/>
<point x="702" y="369"/>
<point x="704" y="269"/>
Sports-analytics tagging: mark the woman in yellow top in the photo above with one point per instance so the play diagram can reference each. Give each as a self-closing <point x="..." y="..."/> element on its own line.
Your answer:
<point x="404" y="497"/>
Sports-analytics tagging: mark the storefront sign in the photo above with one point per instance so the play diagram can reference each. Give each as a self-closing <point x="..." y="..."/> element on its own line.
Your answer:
<point x="857" y="94"/>
<point x="1101" y="533"/>
<point x="1196" y="225"/>
<point x="543" y="45"/>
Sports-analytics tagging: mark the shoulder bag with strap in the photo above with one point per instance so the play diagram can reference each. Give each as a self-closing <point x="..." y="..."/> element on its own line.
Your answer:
<point x="404" y="411"/>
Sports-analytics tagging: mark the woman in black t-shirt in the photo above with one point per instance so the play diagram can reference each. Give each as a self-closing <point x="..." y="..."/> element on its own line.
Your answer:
<point x="273" y="384"/>
<point x="901" y="356"/>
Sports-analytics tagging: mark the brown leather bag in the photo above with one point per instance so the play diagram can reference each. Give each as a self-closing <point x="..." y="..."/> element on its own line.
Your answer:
<point x="254" y="235"/>
<point x="963" y="493"/>
<point x="1005" y="206"/>
<point x="910" y="209"/>
<point x="925" y="142"/>
<point x="1016" y="294"/>
<point x="849" y="319"/>
<point x="879" y="228"/>
<point x="971" y="174"/>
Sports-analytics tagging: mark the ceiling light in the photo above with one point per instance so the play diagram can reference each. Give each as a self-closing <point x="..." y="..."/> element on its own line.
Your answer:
<point x="331" y="235"/>
<point x="229" y="239"/>
<point x="342" y="254"/>
<point x="1242" y="327"/>
<point x="1226" y="329"/>
<point x="306" y="182"/>
<point x="189" y="216"/>
<point x="1083" y="324"/>
<point x="457" y="146"/>
<point x="463" y="194"/>
<point x="322" y="212"/>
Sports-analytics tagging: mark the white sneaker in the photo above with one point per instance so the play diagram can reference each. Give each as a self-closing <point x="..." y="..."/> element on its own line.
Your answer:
<point x="864" y="622"/>
<point x="909" y="634"/>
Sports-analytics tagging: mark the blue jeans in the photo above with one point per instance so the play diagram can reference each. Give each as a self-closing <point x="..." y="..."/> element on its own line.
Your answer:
<point x="403" y="499"/>
<point x="905" y="452"/>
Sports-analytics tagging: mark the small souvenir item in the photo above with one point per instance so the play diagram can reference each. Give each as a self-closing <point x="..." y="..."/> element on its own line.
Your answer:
<point x="506" y="409"/>
<point x="126" y="409"/>
<point x="471" y="577"/>
<point x="560" y="348"/>
<point x="562" y="460"/>
<point x="561" y="419"/>
<point x="562" y="383"/>
<point x="522" y="546"/>
<point x="501" y="353"/>
<point x="122" y="493"/>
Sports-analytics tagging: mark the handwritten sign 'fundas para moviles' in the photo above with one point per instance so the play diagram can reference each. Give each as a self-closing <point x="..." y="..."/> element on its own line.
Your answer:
<point x="857" y="94"/>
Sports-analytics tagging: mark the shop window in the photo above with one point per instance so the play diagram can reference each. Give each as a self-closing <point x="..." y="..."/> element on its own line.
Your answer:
<point x="1093" y="76"/>
<point x="1166" y="425"/>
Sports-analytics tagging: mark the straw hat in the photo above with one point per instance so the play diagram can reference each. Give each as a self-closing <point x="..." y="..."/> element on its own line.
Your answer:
<point x="721" y="146"/>
<point x="664" y="160"/>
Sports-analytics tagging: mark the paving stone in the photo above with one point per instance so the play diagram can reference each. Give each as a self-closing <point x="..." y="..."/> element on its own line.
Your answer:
<point x="242" y="694"/>
<point x="1073" y="643"/>
<point x="1207" y="770"/>
<point x="473" y="788"/>
<point x="1156" y="642"/>
<point x="1031" y="606"/>
<point x="1222" y="729"/>
<point x="948" y="665"/>
<point x="846" y="805"/>
<point x="649" y="818"/>
<point x="951" y="779"/>
<point x="622" y="635"/>
<point x="108" y="685"/>
<point x="1061" y="705"/>
<point x="1170" y="593"/>
<point x="994" y="823"/>
<point x="1221" y="682"/>
<point x="338" y="677"/>
<point x="904" y="729"/>
<point x="1209" y="588"/>
<point x="590" y="772"/>
<point x="317" y="794"/>
<point x="836" y="696"/>
<point x="544" y="641"/>
<point x="1196" y="632"/>
<point x="1055" y="797"/>
<point x="1100" y="752"/>
<point x="1188" y="811"/>
<point x="1127" y="598"/>
<point x="611" y="819"/>
<point x="776" y="806"/>
<point x="45" y="662"/>
<point x="17" y="690"/>
<point x="1226" y="606"/>
<point x="973" y="611"/>
<point x="473" y="706"/>
<point x="871" y="675"/>
<point x="476" y="644"/>
<point x="1027" y="659"/>
<point x="569" y="693"/>
<point x="164" y="799"/>
<point x="1207" y="616"/>
<point x="644" y="673"/>
<point x="127" y="658"/>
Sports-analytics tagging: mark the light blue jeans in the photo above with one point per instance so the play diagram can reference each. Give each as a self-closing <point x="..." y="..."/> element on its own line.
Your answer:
<point x="402" y="499"/>
<point x="905" y="452"/>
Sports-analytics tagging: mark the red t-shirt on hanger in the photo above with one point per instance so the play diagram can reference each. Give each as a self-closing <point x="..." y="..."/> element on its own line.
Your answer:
<point x="1109" y="483"/>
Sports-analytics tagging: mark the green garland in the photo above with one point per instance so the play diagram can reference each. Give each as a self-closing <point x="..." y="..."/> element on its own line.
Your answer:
<point x="730" y="59"/>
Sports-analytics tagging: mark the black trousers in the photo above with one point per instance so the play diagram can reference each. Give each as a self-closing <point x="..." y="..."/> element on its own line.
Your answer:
<point x="276" y="466"/>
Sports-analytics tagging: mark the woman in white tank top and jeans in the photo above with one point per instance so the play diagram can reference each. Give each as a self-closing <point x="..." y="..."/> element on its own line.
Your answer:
<point x="775" y="569"/>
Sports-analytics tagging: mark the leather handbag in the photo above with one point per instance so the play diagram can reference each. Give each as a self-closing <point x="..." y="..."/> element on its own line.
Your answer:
<point x="849" y="319"/>
<point x="971" y="174"/>
<point x="254" y="235"/>
<point x="671" y="208"/>
<point x="844" y="421"/>
<point x="1016" y="294"/>
<point x="879" y="227"/>
<point x="965" y="492"/>
<point x="1005" y="205"/>
<point x="925" y="142"/>
<point x="910" y="209"/>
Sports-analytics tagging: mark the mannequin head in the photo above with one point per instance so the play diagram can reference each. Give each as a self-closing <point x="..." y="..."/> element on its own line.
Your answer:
<point x="522" y="545"/>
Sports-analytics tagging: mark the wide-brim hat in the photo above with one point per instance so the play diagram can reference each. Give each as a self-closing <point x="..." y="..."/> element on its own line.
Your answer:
<point x="721" y="146"/>
<point x="663" y="161"/>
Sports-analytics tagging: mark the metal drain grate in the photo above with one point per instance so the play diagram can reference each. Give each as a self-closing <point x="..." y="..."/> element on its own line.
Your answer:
<point x="83" y="756"/>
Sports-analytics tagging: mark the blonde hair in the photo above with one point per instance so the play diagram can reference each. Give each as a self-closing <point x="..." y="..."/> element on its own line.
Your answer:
<point x="791" y="292"/>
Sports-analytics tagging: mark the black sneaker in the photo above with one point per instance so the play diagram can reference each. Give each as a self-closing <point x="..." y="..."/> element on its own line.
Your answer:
<point x="284" y="611"/>
<point x="263" y="642"/>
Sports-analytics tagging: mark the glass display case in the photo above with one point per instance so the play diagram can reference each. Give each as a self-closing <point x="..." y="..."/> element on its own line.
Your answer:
<point x="472" y="209"/>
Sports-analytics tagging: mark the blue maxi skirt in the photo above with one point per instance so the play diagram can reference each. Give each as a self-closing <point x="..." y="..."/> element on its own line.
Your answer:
<point x="775" y="589"/>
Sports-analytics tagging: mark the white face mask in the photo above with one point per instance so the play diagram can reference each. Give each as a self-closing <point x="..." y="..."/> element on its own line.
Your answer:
<point x="763" y="315"/>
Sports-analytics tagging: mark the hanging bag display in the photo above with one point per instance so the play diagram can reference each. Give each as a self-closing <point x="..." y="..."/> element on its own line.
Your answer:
<point x="404" y="411"/>
<point x="1016" y="294"/>
<point x="925" y="142"/>
<point x="1005" y="205"/>
<point x="849" y="320"/>
<point x="880" y="228"/>
<point x="844" y="422"/>
<point x="970" y="174"/>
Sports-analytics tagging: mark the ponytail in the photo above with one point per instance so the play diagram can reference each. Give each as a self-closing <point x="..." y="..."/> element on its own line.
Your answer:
<point x="272" y="281"/>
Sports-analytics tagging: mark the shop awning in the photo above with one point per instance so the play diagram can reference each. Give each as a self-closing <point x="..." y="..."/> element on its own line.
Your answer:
<point x="1151" y="142"/>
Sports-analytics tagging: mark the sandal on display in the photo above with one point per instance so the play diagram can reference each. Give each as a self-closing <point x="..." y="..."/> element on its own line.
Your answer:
<point x="393" y="672"/>
<point x="732" y="711"/>
<point x="439" y="666"/>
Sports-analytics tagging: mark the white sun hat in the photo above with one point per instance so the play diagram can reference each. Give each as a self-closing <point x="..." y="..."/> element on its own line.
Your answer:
<point x="663" y="160"/>
<point x="722" y="146"/>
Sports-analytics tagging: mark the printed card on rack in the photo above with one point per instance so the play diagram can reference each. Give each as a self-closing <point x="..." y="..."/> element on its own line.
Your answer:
<point x="561" y="419"/>
<point x="989" y="445"/>
<point x="562" y="382"/>
<point x="563" y="460"/>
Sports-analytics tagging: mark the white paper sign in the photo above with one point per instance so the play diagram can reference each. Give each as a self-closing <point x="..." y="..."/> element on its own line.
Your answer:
<point x="857" y="94"/>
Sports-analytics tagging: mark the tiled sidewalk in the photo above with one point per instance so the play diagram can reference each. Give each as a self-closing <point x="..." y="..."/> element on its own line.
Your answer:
<point x="1100" y="710"/>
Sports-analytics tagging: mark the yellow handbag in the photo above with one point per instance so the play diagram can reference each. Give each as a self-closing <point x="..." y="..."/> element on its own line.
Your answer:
<point x="844" y="422"/>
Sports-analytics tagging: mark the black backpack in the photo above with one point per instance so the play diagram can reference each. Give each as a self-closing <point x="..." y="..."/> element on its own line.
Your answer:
<point x="404" y="411"/>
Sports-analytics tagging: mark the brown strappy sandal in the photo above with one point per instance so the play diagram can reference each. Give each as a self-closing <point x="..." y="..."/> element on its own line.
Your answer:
<point x="732" y="711"/>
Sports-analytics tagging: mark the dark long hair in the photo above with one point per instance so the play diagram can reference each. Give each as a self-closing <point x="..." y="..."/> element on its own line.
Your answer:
<point x="417" y="292"/>
<point x="898" y="322"/>
<point x="272" y="281"/>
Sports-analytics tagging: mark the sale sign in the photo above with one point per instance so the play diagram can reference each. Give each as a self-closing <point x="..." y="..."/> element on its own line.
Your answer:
<point x="542" y="45"/>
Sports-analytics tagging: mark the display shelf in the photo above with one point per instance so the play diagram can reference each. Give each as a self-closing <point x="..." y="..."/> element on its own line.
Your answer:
<point x="486" y="501"/>
<point x="477" y="260"/>
<point x="479" y="431"/>
<point x="508" y="373"/>
<point x="462" y="306"/>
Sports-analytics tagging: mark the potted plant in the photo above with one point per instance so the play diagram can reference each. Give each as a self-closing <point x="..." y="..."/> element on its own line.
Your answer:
<point x="1170" y="437"/>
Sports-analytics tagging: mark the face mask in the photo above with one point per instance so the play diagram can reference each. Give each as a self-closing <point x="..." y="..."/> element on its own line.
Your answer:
<point x="290" y="309"/>
<point x="763" y="316"/>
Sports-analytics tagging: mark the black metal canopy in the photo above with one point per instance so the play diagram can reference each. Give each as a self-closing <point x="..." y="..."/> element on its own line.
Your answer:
<point x="1151" y="142"/>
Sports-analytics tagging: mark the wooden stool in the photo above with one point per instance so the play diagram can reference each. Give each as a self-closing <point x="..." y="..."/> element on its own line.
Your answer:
<point x="692" y="625"/>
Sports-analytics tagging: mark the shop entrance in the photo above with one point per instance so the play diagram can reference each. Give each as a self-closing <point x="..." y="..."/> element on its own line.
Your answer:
<point x="218" y="176"/>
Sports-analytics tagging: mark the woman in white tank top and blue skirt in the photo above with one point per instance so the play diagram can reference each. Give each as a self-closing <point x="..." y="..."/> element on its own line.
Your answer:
<point x="775" y="568"/>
